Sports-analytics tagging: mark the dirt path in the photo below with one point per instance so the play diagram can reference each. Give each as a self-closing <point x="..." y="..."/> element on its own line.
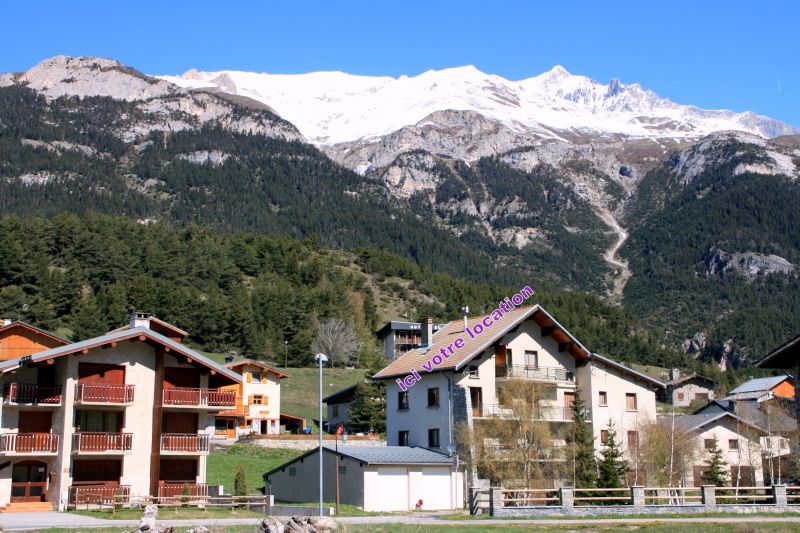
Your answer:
<point x="622" y="271"/>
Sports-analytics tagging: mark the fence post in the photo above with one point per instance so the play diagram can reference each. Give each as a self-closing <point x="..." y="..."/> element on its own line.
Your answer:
<point x="709" y="497"/>
<point x="473" y="504"/>
<point x="637" y="497"/>
<point x="566" y="496"/>
<point x="779" y="496"/>
<point x="495" y="500"/>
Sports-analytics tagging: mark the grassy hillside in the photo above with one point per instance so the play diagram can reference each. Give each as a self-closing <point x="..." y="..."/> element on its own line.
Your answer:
<point x="300" y="391"/>
<point x="223" y="464"/>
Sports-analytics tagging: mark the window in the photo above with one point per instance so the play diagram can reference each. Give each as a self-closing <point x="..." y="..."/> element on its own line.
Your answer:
<point x="402" y="400"/>
<point x="531" y="359"/>
<point x="433" y="438"/>
<point x="681" y="395"/>
<point x="258" y="400"/>
<point x="630" y="401"/>
<point x="602" y="399"/>
<point x="473" y="372"/>
<point x="256" y="377"/>
<point x="709" y="444"/>
<point x="433" y="397"/>
<point x="633" y="439"/>
<point x="701" y="396"/>
<point x="292" y="471"/>
<point x="402" y="438"/>
<point x="733" y="444"/>
<point x="603" y="436"/>
<point x="335" y="410"/>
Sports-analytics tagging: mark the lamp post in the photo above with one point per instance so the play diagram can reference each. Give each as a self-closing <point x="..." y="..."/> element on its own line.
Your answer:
<point x="285" y="353"/>
<point x="320" y="359"/>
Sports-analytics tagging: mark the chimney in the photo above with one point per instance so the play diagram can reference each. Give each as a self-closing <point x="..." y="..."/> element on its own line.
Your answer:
<point x="465" y="312"/>
<point x="427" y="332"/>
<point x="5" y="322"/>
<point x="674" y="374"/>
<point x="139" y="320"/>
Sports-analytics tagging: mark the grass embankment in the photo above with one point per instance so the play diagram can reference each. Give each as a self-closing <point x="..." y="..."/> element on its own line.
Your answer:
<point x="257" y="460"/>
<point x="177" y="513"/>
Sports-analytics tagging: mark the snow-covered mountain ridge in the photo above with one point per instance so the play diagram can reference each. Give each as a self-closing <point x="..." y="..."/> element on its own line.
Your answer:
<point x="334" y="107"/>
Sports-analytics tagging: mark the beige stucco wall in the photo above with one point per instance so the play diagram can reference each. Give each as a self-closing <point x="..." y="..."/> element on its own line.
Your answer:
<point x="595" y="377"/>
<point x="748" y="454"/>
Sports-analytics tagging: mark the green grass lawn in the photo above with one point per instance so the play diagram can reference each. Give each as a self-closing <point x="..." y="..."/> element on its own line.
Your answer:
<point x="166" y="513"/>
<point x="257" y="460"/>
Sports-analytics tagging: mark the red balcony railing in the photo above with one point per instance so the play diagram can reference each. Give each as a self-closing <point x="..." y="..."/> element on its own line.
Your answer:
<point x="98" y="494"/>
<point x="96" y="442"/>
<point x="184" y="442"/>
<point x="103" y="393"/>
<point x="29" y="443"/>
<point x="191" y="397"/>
<point x="177" y="490"/>
<point x="24" y="393"/>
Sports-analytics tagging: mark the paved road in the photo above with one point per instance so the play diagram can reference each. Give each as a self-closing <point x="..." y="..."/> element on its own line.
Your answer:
<point x="33" y="521"/>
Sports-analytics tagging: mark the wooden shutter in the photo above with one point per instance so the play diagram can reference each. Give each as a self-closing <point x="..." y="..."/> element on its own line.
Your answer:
<point x="248" y="377"/>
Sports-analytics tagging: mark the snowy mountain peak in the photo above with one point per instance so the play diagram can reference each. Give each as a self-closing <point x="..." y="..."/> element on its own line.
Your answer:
<point x="334" y="107"/>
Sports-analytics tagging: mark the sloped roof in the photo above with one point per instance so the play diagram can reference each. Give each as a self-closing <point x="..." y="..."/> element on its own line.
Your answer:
<point x="689" y="423"/>
<point x="161" y="323"/>
<point x="784" y="356"/>
<point x="40" y="331"/>
<point x="754" y="412"/>
<point x="683" y="379"/>
<point x="473" y="347"/>
<point x="108" y="338"/>
<point x="340" y="396"/>
<point x="759" y="384"/>
<point x="266" y="368"/>
<point x="378" y="455"/>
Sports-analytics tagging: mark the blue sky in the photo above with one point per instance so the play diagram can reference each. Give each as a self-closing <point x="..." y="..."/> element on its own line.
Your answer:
<point x="736" y="55"/>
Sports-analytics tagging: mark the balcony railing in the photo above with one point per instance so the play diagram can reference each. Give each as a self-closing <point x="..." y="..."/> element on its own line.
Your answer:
<point x="191" y="397"/>
<point x="238" y="410"/>
<point x="545" y="413"/>
<point x="177" y="491"/>
<point x="98" y="494"/>
<point x="97" y="442"/>
<point x="184" y="443"/>
<point x="23" y="393"/>
<point x="103" y="393"/>
<point x="535" y="373"/>
<point x="29" y="443"/>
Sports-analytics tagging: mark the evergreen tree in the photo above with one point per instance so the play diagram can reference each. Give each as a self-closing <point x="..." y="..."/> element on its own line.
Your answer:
<point x="581" y="444"/>
<point x="240" y="482"/>
<point x="88" y="320"/>
<point x="368" y="411"/>
<point x="715" y="469"/>
<point x="612" y="466"/>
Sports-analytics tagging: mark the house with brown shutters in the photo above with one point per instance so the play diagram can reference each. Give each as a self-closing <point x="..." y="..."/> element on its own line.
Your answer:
<point x="124" y="415"/>
<point x="524" y="343"/>
<point x="258" y="401"/>
<point x="681" y="390"/>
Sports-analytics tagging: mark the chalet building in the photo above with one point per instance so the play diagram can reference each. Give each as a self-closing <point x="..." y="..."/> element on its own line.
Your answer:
<point x="754" y="441"/>
<point x="526" y="343"/>
<point x="764" y="389"/>
<point x="258" y="401"/>
<point x="338" y="405"/>
<point x="18" y="339"/>
<point x="124" y="415"/>
<point x="398" y="337"/>
<point x="787" y="357"/>
<point x="681" y="390"/>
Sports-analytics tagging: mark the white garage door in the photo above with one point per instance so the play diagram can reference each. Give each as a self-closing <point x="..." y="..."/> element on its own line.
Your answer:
<point x="393" y="483"/>
<point x="433" y="488"/>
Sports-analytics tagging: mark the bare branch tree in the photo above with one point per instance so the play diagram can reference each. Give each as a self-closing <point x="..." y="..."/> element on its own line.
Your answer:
<point x="338" y="340"/>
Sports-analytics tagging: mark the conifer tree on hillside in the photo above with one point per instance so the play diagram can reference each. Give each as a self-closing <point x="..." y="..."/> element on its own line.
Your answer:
<point x="581" y="446"/>
<point x="368" y="411"/>
<point x="715" y="469"/>
<point x="612" y="466"/>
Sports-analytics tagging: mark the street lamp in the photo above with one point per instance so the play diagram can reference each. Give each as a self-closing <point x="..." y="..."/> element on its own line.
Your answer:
<point x="320" y="359"/>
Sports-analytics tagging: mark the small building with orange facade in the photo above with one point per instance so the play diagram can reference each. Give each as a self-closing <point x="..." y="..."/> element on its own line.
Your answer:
<point x="18" y="339"/>
<point x="258" y="402"/>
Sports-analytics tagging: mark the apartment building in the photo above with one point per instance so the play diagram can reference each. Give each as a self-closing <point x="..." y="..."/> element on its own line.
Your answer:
<point x="258" y="401"/>
<point x="126" y="414"/>
<point x="527" y="344"/>
<point x="397" y="337"/>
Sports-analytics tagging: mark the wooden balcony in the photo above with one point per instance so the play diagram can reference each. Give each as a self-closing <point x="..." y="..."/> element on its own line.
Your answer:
<point x="238" y="410"/>
<point x="103" y="394"/>
<point x="98" y="494"/>
<point x="29" y="444"/>
<point x="93" y="443"/>
<point x="32" y="395"/>
<point x="535" y="373"/>
<point x="176" y="491"/>
<point x="184" y="443"/>
<point x="203" y="398"/>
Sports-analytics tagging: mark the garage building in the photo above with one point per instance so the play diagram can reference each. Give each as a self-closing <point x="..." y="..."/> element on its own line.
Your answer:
<point x="375" y="478"/>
